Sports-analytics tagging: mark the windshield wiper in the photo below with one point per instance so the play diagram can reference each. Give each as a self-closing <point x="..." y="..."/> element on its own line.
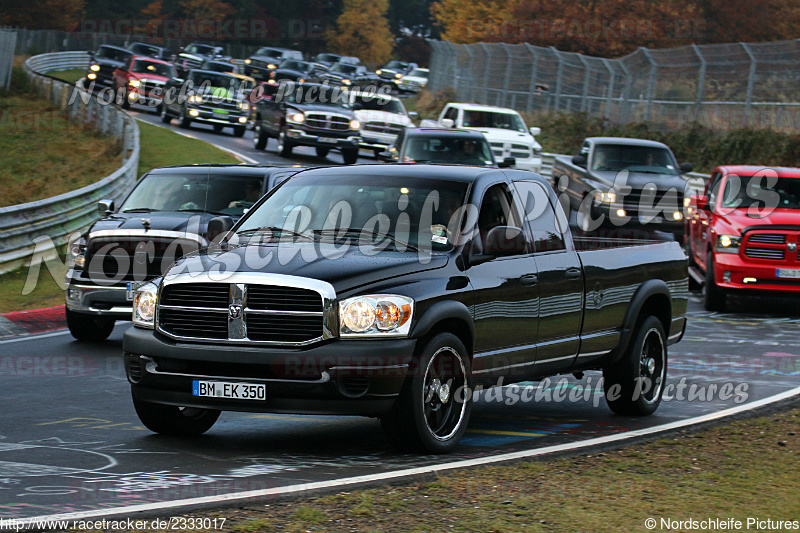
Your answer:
<point x="351" y="231"/>
<point x="200" y="211"/>
<point x="275" y="230"/>
<point x="139" y="210"/>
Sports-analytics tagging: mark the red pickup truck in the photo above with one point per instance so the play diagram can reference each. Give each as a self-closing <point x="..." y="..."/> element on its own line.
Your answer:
<point x="142" y="80"/>
<point x="742" y="233"/>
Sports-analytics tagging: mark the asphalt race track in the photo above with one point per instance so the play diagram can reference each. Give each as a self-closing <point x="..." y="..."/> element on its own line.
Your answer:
<point x="71" y="442"/>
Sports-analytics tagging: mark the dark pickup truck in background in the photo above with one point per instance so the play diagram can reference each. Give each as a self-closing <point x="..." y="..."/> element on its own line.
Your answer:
<point x="620" y="180"/>
<point x="164" y="217"/>
<point x="441" y="278"/>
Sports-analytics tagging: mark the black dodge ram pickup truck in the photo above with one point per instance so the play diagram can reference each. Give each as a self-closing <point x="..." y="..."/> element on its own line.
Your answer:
<point x="388" y="291"/>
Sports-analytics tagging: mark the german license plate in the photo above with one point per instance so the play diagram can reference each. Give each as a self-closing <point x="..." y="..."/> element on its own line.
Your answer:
<point x="650" y="220"/>
<point x="793" y="273"/>
<point x="230" y="391"/>
<point x="326" y="140"/>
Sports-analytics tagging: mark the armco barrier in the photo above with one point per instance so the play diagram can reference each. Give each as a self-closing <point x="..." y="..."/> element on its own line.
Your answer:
<point x="55" y="219"/>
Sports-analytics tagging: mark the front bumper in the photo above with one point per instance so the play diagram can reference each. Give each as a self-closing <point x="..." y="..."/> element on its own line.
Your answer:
<point x="532" y="164"/>
<point x="376" y="140"/>
<point x="762" y="276"/>
<point x="111" y="301"/>
<point x="209" y="117"/>
<point x="329" y="140"/>
<point x="336" y="377"/>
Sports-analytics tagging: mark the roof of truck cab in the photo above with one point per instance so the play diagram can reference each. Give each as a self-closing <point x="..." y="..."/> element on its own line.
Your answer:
<point x="481" y="107"/>
<point x="231" y="169"/>
<point x="626" y="141"/>
<point x="461" y="173"/>
<point x="444" y="132"/>
<point x="750" y="170"/>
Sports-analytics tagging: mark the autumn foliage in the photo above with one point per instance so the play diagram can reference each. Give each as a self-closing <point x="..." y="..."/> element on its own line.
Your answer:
<point x="362" y="30"/>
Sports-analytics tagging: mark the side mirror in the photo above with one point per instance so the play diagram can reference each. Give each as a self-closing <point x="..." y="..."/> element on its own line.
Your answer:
<point x="686" y="168"/>
<point x="579" y="160"/>
<point x="503" y="241"/>
<point x="105" y="207"/>
<point x="507" y="162"/>
<point x="386" y="156"/>
<point x="218" y="226"/>
<point x="535" y="130"/>
<point x="413" y="115"/>
<point x="701" y="201"/>
<point x="448" y="123"/>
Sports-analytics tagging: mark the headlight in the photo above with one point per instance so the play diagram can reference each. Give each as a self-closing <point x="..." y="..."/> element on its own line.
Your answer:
<point x="91" y="75"/>
<point x="728" y="244"/>
<point x="354" y="124"/>
<point x="608" y="197"/>
<point x="76" y="255"/>
<point x="296" y="117"/>
<point x="145" y="298"/>
<point x="271" y="66"/>
<point x="195" y="99"/>
<point x="95" y="68"/>
<point x="345" y="81"/>
<point x="378" y="72"/>
<point x="244" y="105"/>
<point x="398" y="76"/>
<point x="375" y="315"/>
<point x="134" y="83"/>
<point x="247" y="61"/>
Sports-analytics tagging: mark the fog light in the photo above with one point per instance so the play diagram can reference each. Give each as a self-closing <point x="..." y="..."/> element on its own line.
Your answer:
<point x="91" y="75"/>
<point x="74" y="295"/>
<point x="194" y="112"/>
<point x="133" y="95"/>
<point x="726" y="277"/>
<point x="242" y="119"/>
<point x="677" y="215"/>
<point x="749" y="280"/>
<point x="621" y="212"/>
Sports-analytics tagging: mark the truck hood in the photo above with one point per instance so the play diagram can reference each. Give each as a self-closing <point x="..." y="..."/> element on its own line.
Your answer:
<point x="352" y="269"/>
<point x="507" y="136"/>
<point x="371" y="115"/>
<point x="738" y="219"/>
<point x="173" y="221"/>
<point x="322" y="108"/>
<point x="637" y="180"/>
<point x="417" y="79"/>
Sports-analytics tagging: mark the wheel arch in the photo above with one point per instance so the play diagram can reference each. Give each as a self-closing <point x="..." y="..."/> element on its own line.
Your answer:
<point x="651" y="298"/>
<point x="451" y="316"/>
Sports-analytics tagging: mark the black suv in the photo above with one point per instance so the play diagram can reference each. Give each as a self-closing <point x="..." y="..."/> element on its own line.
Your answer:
<point x="308" y="115"/>
<point x="210" y="97"/>
<point x="104" y="62"/>
<point x="347" y="75"/>
<point x="438" y="145"/>
<point x="194" y="55"/>
<point x="150" y="50"/>
<point x="267" y="59"/>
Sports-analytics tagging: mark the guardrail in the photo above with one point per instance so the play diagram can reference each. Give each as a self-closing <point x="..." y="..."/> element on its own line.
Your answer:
<point x="45" y="225"/>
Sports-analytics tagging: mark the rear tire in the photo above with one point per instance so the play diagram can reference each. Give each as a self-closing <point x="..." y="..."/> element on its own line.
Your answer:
<point x="322" y="152"/>
<point x="88" y="327"/>
<point x="350" y="156"/>
<point x="432" y="412"/>
<point x="173" y="420"/>
<point x="238" y="131"/>
<point x="634" y="385"/>
<point x="714" y="298"/>
<point x="165" y="118"/>
<point x="284" y="146"/>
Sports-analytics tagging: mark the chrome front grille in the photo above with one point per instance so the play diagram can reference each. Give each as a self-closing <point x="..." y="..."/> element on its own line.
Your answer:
<point x="327" y="121"/>
<point x="243" y="311"/>
<point x="383" y="127"/>
<point x="770" y="238"/>
<point x="764" y="253"/>
<point x="133" y="258"/>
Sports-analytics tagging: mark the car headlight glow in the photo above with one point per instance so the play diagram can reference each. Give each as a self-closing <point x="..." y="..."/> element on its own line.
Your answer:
<point x="354" y="124"/>
<point x="727" y="244"/>
<point x="345" y="81"/>
<point x="91" y="75"/>
<point x="296" y="117"/>
<point x="272" y="66"/>
<point x="375" y="315"/>
<point x="134" y="83"/>
<point x="398" y="76"/>
<point x="95" y="68"/>
<point x="608" y="197"/>
<point x="244" y="105"/>
<point x="145" y="298"/>
<point x="247" y="61"/>
<point x="195" y="99"/>
<point x="379" y="71"/>
<point x="76" y="255"/>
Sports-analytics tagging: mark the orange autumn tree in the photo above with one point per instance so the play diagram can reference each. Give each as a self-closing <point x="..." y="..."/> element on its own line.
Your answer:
<point x="207" y="9"/>
<point x="362" y="30"/>
<point x="43" y="14"/>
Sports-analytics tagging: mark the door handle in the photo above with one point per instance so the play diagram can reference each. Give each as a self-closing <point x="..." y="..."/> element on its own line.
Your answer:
<point x="529" y="279"/>
<point x="573" y="273"/>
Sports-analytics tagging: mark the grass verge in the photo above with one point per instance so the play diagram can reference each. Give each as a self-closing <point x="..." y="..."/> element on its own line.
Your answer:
<point x="71" y="75"/>
<point x="46" y="292"/>
<point x="744" y="469"/>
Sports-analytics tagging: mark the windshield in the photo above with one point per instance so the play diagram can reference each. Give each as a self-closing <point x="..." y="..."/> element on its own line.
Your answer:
<point x="396" y="65"/>
<point x="492" y="119"/>
<point x="201" y="49"/>
<point x="317" y="94"/>
<point x="142" y="66"/>
<point x="269" y="52"/>
<point x="218" y="66"/>
<point x="328" y="58"/>
<point x="215" y="81"/>
<point x="378" y="103"/>
<point x="219" y="194"/>
<point x="343" y="68"/>
<point x="384" y="207"/>
<point x="616" y="157"/>
<point x="761" y="191"/>
<point x="292" y="64"/>
<point x="453" y="150"/>
<point x="145" y="49"/>
<point x="113" y="54"/>
<point x="419" y="72"/>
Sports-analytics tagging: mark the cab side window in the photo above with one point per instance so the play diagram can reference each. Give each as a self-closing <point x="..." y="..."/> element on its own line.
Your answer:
<point x="713" y="189"/>
<point x="547" y="228"/>
<point x="451" y="113"/>
<point x="497" y="209"/>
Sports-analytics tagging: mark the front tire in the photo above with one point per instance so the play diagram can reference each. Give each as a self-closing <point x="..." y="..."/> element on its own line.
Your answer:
<point x="88" y="327"/>
<point x="238" y="131"/>
<point x="635" y="384"/>
<point x="185" y="120"/>
<point x="432" y="412"/>
<point x="350" y="156"/>
<point x="322" y="152"/>
<point x="714" y="298"/>
<point x="284" y="146"/>
<point x="259" y="137"/>
<point x="165" y="118"/>
<point x="173" y="420"/>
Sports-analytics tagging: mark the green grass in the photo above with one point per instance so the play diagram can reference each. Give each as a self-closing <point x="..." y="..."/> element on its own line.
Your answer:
<point x="70" y="76"/>
<point x="46" y="293"/>
<point x="161" y="147"/>
<point x="742" y="469"/>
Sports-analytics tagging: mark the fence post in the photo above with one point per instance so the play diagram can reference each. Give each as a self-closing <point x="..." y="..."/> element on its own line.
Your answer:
<point x="484" y="79"/>
<point x="651" y="84"/>
<point x="751" y="79"/>
<point x="507" y="83"/>
<point x="701" y="81"/>
<point x="534" y="68"/>
<point x="470" y="73"/>
<point x="559" y="78"/>
<point x="585" y="92"/>
<point x="625" y="104"/>
<point x="610" y="95"/>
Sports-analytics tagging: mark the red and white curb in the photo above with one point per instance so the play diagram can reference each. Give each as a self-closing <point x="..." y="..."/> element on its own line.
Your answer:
<point x="19" y="323"/>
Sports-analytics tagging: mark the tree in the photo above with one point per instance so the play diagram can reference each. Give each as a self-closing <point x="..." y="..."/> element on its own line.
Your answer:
<point x="43" y="14"/>
<point x="363" y="31"/>
<point x="467" y="21"/>
<point x="207" y="9"/>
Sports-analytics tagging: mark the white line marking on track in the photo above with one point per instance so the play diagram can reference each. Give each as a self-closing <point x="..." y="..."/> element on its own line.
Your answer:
<point x="398" y="474"/>
<point x="238" y="155"/>
<point x="36" y="337"/>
